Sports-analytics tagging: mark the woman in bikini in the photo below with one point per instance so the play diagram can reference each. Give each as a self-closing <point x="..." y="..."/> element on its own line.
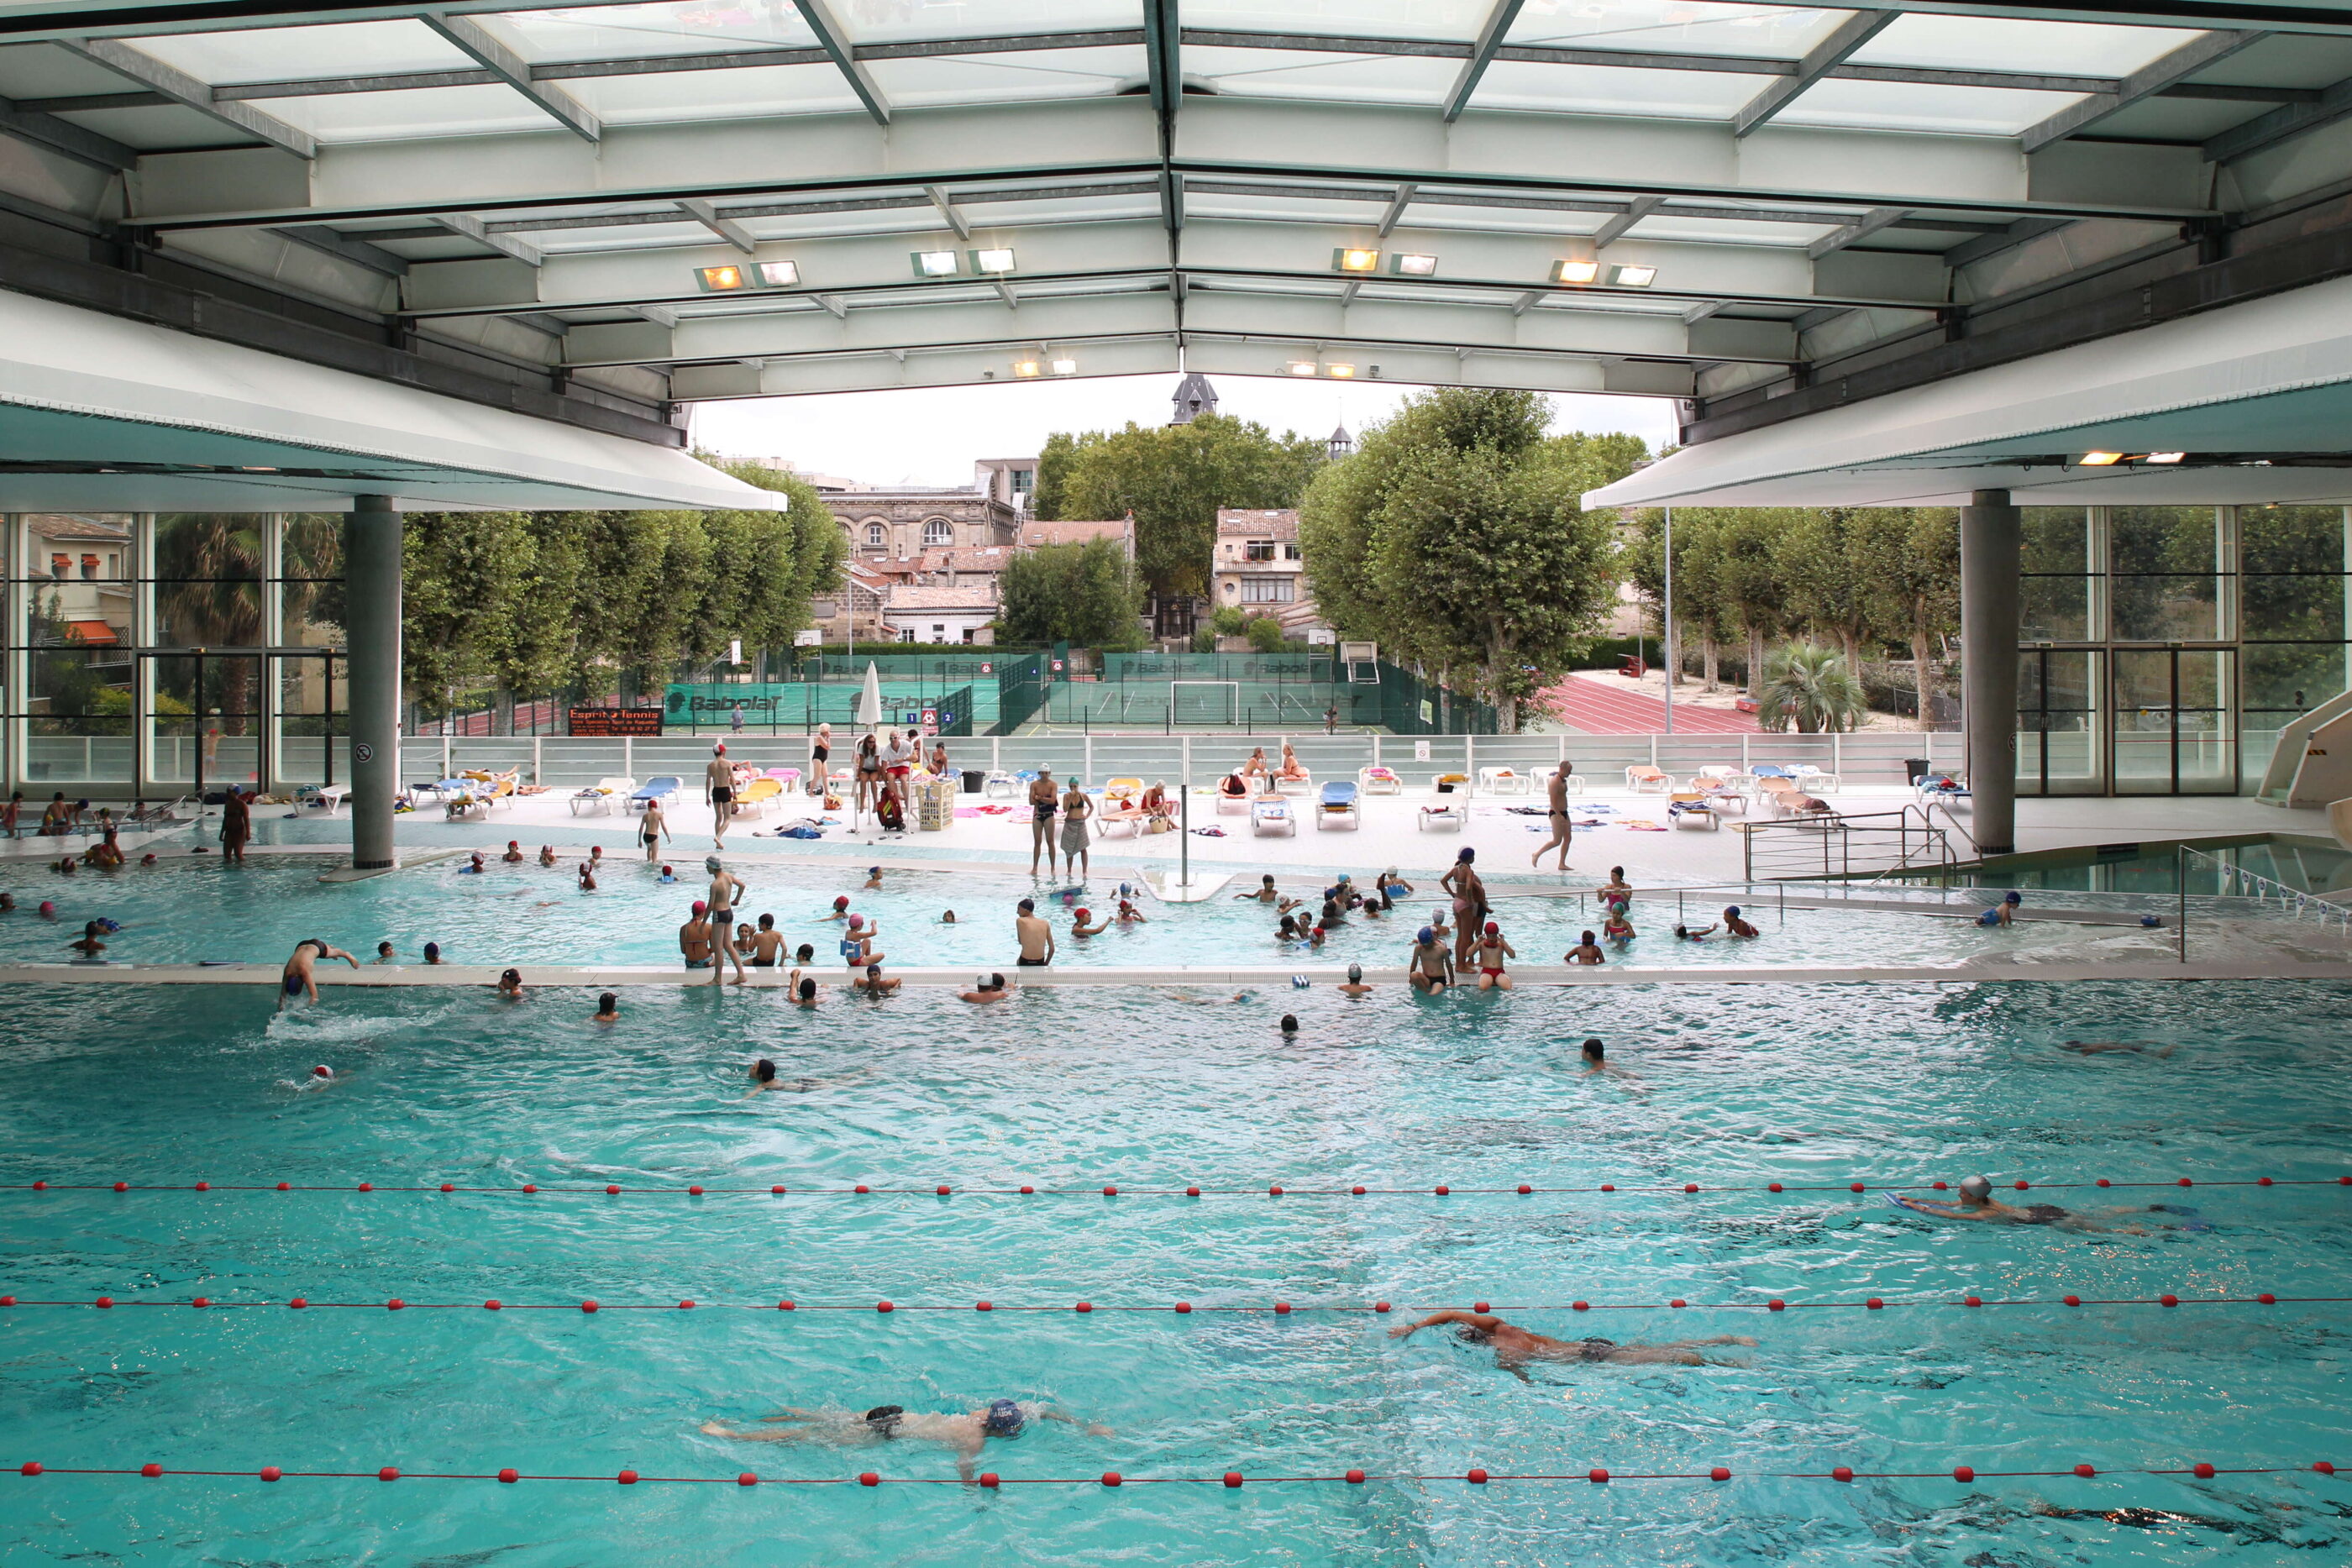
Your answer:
<point x="870" y="772"/>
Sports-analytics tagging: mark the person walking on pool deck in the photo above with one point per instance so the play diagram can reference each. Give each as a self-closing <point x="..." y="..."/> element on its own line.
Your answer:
<point x="1037" y="937"/>
<point x="653" y="829"/>
<point x="237" y="826"/>
<point x="1515" y="1347"/>
<point x="1562" y="829"/>
<point x="300" y="978"/>
<point x="964" y="1434"/>
<point x="718" y="782"/>
<point x="1077" y="860"/>
<point x="726" y="887"/>
<point x="1043" y="803"/>
<point x="1469" y="904"/>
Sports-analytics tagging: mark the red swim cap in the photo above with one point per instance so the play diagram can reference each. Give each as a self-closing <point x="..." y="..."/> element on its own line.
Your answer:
<point x="842" y="902"/>
<point x="1493" y="929"/>
<point x="1085" y="914"/>
<point x="700" y="908"/>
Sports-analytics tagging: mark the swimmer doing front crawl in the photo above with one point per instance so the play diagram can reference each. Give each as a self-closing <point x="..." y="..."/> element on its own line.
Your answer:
<point x="964" y="1432"/>
<point x="1515" y="1347"/>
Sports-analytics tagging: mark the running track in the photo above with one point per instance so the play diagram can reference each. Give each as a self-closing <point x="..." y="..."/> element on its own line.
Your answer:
<point x="1596" y="706"/>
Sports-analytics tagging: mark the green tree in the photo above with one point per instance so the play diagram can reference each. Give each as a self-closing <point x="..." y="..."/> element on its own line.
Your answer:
<point x="1227" y="620"/>
<point x="1457" y="536"/>
<point x="1824" y="558"/>
<point x="1055" y="461"/>
<point x="1086" y="594"/>
<point x="1915" y="573"/>
<point x="1810" y="687"/>
<point x="1174" y="479"/>
<point x="1265" y="633"/>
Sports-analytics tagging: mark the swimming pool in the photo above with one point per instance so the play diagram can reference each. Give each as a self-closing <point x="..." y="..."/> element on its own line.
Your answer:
<point x="188" y="911"/>
<point x="1736" y="1086"/>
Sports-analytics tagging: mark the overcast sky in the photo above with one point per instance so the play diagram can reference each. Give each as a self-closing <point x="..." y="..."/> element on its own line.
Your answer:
<point x="931" y="435"/>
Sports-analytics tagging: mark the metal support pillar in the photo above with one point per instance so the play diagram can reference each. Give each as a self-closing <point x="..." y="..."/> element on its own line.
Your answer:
<point x="371" y="619"/>
<point x="1989" y="562"/>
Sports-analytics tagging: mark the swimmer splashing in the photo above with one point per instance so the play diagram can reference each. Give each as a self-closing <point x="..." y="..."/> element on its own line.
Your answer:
<point x="301" y="978"/>
<point x="963" y="1433"/>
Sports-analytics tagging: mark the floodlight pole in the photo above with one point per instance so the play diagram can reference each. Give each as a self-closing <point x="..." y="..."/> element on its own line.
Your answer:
<point x="1184" y="819"/>
<point x="1667" y="626"/>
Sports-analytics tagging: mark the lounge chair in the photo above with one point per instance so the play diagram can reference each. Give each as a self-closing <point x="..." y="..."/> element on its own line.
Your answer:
<point x="1304" y="784"/>
<point x="1447" y="814"/>
<point x="1944" y="789"/>
<point x="601" y="795"/>
<point x="1813" y="781"/>
<point x="1642" y="779"/>
<point x="1230" y="804"/>
<point x="657" y="789"/>
<point x="1130" y="790"/>
<point x="1502" y="780"/>
<point x="1451" y="784"/>
<point x="1000" y="782"/>
<point x="330" y="796"/>
<point x="1271" y="814"/>
<point x="756" y="797"/>
<point x="1120" y="813"/>
<point x="1690" y="806"/>
<point x="1379" y="781"/>
<point x="463" y="797"/>
<point x="1338" y="808"/>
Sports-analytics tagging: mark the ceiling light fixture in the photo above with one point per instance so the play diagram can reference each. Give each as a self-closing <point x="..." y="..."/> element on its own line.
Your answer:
<point x="1413" y="265"/>
<point x="1348" y="259"/>
<point x="1573" y="271"/>
<point x="1025" y="368"/>
<point x="1065" y="367"/>
<point x="935" y="263"/>
<point x="720" y="279"/>
<point x="1340" y="373"/>
<point x="2166" y="456"/>
<point x="1301" y="367"/>
<point x="779" y="274"/>
<point x="2101" y="459"/>
<point x="1632" y="277"/>
<point x="997" y="260"/>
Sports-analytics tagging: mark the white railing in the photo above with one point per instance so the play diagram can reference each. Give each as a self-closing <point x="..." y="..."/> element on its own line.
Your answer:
<point x="2237" y="882"/>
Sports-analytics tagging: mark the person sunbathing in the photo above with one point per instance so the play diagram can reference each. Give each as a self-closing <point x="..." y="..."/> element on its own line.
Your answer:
<point x="1156" y="802"/>
<point x="1291" y="768"/>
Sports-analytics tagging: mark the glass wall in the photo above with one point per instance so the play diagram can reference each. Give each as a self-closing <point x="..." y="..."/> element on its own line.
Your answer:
<point x="2164" y="647"/>
<point x="161" y="654"/>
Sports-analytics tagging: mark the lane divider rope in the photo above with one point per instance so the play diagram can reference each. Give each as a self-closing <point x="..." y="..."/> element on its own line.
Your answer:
<point x="1274" y="1189"/>
<point x="1279" y="1308"/>
<point x="1597" y="1475"/>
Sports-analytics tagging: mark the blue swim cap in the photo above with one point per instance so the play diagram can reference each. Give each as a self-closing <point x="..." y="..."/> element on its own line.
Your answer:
<point x="1733" y="912"/>
<point x="2012" y="896"/>
<point x="1426" y="933"/>
<point x="1003" y="1419"/>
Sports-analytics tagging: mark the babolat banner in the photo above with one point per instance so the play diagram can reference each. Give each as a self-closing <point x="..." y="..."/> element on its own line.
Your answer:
<point x="609" y="722"/>
<point x="702" y="703"/>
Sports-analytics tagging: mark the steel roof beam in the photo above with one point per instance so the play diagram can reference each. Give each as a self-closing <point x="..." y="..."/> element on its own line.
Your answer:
<point x="2146" y="83"/>
<point x="320" y="237"/>
<point x="946" y="204"/>
<point x="1482" y="55"/>
<point x="2333" y="102"/>
<point x="184" y="89"/>
<point x="1395" y="213"/>
<point x="511" y="68"/>
<point x="1615" y="229"/>
<point x="835" y="43"/>
<point x="77" y="142"/>
<point x="1844" y="39"/>
<point x="1861" y="228"/>
<point x="726" y="228"/>
<point x="505" y="244"/>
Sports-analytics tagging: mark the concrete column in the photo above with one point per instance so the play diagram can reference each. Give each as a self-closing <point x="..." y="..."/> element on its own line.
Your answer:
<point x="371" y="627"/>
<point x="1989" y="562"/>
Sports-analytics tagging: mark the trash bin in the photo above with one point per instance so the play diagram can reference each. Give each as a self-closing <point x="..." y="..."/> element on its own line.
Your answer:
<point x="972" y="780"/>
<point x="1919" y="767"/>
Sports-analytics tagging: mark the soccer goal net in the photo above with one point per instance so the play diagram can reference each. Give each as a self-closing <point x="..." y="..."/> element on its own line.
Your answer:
<point x="1204" y="702"/>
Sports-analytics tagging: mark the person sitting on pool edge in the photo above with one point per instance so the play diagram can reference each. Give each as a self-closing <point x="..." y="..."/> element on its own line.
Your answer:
<point x="1733" y="925"/>
<point x="1586" y="951"/>
<point x="1430" y="967"/>
<point x="1492" y="951"/>
<point x="965" y="1433"/>
<point x="300" y="978"/>
<point x="1515" y="1347"/>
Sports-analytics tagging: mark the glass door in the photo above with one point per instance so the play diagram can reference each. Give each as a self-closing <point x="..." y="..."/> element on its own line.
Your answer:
<point x="2175" y="721"/>
<point x="2058" y="722"/>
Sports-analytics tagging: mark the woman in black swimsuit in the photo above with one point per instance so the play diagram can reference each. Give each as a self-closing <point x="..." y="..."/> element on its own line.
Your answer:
<point x="820" y="755"/>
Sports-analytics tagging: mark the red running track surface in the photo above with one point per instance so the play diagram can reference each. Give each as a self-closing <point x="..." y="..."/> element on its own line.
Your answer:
<point x="1596" y="707"/>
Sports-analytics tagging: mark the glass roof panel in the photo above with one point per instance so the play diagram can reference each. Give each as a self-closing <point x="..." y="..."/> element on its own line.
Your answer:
<point x="1996" y="43"/>
<point x="634" y="237"/>
<point x="667" y="27"/>
<point x="1607" y="89"/>
<point x="422" y="111"/>
<point x="1029" y="74"/>
<point x="44" y="70"/>
<point x="714" y="95"/>
<point x="1712" y="231"/>
<point x="1908" y="106"/>
<point x="1778" y="32"/>
<point x="899" y="21"/>
<point x="295" y="54"/>
<point x="156" y="130"/>
<point x="1456" y="20"/>
<point x="1288" y="73"/>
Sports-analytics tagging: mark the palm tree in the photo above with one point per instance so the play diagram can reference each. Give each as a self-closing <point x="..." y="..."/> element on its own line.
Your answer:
<point x="1809" y="686"/>
<point x="208" y="595"/>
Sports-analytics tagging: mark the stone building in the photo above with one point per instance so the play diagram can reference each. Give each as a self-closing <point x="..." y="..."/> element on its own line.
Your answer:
<point x="899" y="524"/>
<point x="1259" y="568"/>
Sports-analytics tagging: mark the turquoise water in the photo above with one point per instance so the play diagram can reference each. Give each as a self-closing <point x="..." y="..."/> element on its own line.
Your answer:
<point x="1894" y="1083"/>
<point x="191" y="910"/>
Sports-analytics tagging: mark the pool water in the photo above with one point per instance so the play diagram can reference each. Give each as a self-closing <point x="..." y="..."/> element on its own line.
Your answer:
<point x="188" y="911"/>
<point x="1890" y="1084"/>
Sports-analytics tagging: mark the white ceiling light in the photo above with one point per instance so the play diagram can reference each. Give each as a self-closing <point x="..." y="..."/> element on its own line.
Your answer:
<point x="1413" y="265"/>
<point x="780" y="274"/>
<point x="1575" y="270"/>
<point x="1065" y="367"/>
<point x="997" y="260"/>
<point x="1340" y="373"/>
<point x="935" y="263"/>
<point x="1025" y="368"/>
<point x="1632" y="277"/>
<point x="1348" y="258"/>
<point x="1301" y="367"/>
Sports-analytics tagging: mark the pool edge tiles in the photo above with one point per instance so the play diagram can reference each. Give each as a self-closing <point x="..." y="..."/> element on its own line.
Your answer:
<point x="471" y="976"/>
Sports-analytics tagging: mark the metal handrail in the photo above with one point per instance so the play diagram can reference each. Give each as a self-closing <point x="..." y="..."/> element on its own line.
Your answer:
<point x="1907" y="820"/>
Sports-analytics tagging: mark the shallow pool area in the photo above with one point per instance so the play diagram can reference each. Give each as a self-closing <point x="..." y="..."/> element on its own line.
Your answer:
<point x="1152" y="1091"/>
